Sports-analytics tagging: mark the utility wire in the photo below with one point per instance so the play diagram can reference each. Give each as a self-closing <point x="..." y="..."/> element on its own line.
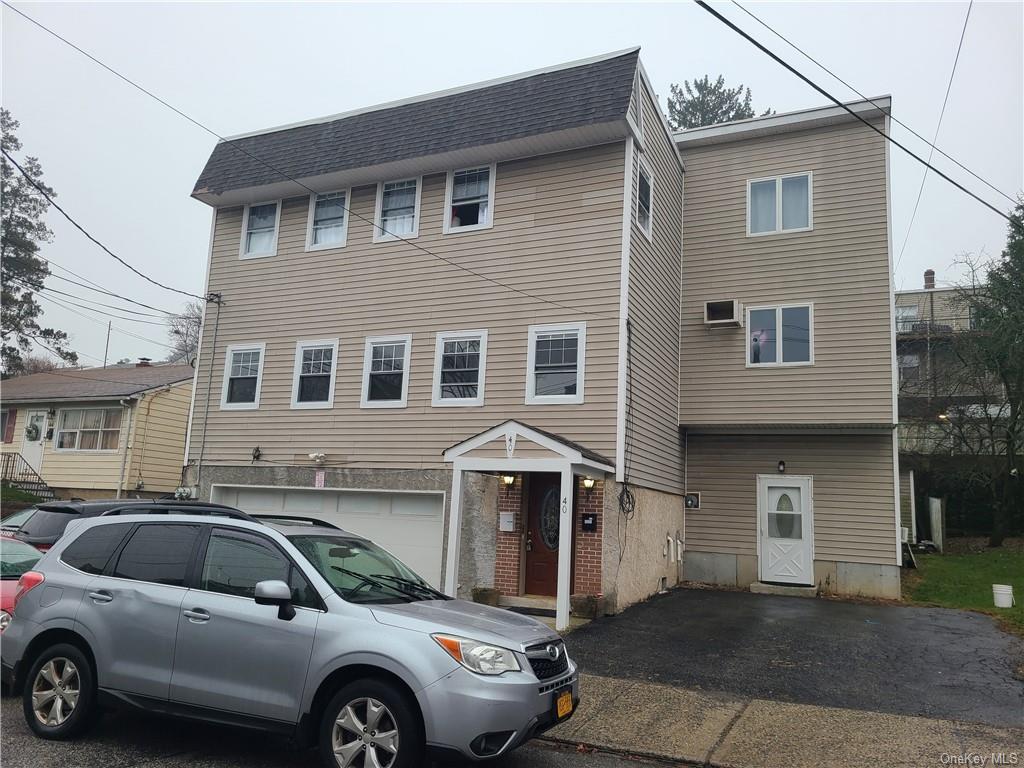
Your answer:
<point x="42" y="191"/>
<point x="938" y="127"/>
<point x="888" y="112"/>
<point x="31" y="289"/>
<point x="50" y="262"/>
<point x="104" y="322"/>
<point x="98" y="303"/>
<point x="778" y="59"/>
<point x="234" y="145"/>
<point x="110" y="293"/>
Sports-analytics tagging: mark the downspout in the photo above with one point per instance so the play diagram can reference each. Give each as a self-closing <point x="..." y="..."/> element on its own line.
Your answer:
<point x="128" y="446"/>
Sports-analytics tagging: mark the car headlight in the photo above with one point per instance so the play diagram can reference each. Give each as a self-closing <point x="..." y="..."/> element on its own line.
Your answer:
<point x="478" y="657"/>
<point x="5" y="619"/>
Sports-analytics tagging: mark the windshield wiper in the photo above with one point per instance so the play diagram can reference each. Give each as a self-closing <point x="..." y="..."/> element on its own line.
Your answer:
<point x="373" y="582"/>
<point x="420" y="587"/>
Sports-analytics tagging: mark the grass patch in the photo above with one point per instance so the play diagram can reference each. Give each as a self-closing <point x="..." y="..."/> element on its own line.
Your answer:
<point x="965" y="581"/>
<point x="10" y="493"/>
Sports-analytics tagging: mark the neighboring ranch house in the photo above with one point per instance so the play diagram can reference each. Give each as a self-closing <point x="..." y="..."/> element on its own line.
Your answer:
<point x="481" y="327"/>
<point x="96" y="433"/>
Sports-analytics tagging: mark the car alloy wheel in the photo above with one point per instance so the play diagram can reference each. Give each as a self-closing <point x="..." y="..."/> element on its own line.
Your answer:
<point x="55" y="691"/>
<point x="365" y="735"/>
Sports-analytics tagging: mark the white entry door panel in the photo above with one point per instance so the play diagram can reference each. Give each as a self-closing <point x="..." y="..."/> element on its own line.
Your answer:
<point x="35" y="434"/>
<point x="786" y="530"/>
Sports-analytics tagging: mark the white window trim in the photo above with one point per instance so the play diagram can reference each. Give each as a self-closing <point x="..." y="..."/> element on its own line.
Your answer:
<point x="642" y="167"/>
<point x="245" y="228"/>
<point x="344" y="224"/>
<point x="778" y="324"/>
<point x="446" y="227"/>
<point x="309" y="344"/>
<point x="228" y="353"/>
<point x="378" y="222"/>
<point x="532" y="398"/>
<point x="364" y="402"/>
<point x="442" y="337"/>
<point x="57" y="430"/>
<point x="778" y="204"/>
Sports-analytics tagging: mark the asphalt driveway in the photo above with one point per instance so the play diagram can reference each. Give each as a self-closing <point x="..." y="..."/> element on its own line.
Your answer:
<point x="932" y="662"/>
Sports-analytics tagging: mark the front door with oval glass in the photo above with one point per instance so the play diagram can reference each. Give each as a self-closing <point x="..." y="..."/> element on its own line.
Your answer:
<point x="542" y="516"/>
<point x="785" y="524"/>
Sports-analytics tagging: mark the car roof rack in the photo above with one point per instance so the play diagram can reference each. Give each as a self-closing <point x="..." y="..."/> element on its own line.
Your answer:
<point x="169" y="509"/>
<point x="297" y="519"/>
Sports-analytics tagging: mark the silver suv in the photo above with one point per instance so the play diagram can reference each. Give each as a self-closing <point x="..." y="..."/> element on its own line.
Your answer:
<point x="291" y="626"/>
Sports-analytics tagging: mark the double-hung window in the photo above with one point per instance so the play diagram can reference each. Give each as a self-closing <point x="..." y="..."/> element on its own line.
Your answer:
<point x="780" y="335"/>
<point x="780" y="204"/>
<point x="555" y="363"/>
<point x="459" y="365"/>
<point x="386" y="371"/>
<point x="398" y="210"/>
<point x="644" y="200"/>
<point x="313" y="381"/>
<point x="243" y="374"/>
<point x="910" y="367"/>
<point x="259" y="230"/>
<point x="906" y="317"/>
<point x="328" y="221"/>
<point x="89" y="429"/>
<point x="469" y="199"/>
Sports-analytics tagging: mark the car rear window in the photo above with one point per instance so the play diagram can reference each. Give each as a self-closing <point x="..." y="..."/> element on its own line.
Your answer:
<point x="158" y="553"/>
<point x="91" y="551"/>
<point x="16" y="557"/>
<point x="47" y="523"/>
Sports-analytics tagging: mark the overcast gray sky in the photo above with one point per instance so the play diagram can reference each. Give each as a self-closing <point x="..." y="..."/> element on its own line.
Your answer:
<point x="124" y="165"/>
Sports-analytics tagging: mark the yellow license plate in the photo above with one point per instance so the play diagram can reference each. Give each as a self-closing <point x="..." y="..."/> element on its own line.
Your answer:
<point x="563" y="704"/>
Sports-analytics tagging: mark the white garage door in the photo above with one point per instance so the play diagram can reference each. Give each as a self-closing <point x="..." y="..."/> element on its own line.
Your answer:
<point x="409" y="525"/>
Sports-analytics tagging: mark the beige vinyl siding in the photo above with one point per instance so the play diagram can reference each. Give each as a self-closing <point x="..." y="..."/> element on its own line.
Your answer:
<point x="158" y="440"/>
<point x="653" y="445"/>
<point x="940" y="307"/>
<point x="556" y="236"/>
<point x="853" y="494"/>
<point x="841" y="266"/>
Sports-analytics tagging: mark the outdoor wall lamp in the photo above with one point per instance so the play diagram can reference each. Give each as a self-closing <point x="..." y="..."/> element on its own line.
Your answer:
<point x="943" y="417"/>
<point x="508" y="479"/>
<point x="782" y="466"/>
<point x="588" y="483"/>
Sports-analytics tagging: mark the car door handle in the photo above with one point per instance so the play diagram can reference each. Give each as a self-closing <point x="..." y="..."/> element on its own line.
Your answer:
<point x="196" y="615"/>
<point x="101" y="596"/>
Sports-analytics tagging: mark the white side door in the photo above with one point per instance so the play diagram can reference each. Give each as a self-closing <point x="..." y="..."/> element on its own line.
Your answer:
<point x="786" y="530"/>
<point x="35" y="433"/>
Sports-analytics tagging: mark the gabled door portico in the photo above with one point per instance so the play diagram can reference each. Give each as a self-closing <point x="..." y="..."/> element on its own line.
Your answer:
<point x="537" y="451"/>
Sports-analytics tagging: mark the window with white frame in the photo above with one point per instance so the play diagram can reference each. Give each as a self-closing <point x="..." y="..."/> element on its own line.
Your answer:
<point x="386" y="371"/>
<point x="905" y="318"/>
<point x="89" y="429"/>
<point x="459" y="367"/>
<point x="259" y="230"/>
<point x="644" y="197"/>
<point x="779" y="204"/>
<point x="313" y="384"/>
<point x="243" y="372"/>
<point x="398" y="209"/>
<point x="470" y="199"/>
<point x="328" y="222"/>
<point x="910" y="367"/>
<point x="555" y="363"/>
<point x="780" y="335"/>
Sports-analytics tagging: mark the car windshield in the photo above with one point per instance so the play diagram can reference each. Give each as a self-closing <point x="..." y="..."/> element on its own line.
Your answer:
<point x="361" y="572"/>
<point x="46" y="523"/>
<point x="16" y="557"/>
<point x="15" y="520"/>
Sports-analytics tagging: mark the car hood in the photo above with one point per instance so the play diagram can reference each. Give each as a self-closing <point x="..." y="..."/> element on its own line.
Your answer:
<point x="472" y="620"/>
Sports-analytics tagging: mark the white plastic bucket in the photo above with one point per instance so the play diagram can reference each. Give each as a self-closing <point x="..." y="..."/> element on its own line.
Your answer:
<point x="1002" y="594"/>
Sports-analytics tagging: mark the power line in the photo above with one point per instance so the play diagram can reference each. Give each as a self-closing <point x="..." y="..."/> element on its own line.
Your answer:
<point x="125" y="331"/>
<point x="32" y="289"/>
<point x="98" y="303"/>
<point x="288" y="177"/>
<point x="888" y="112"/>
<point x="111" y="293"/>
<point x="778" y="59"/>
<point x="52" y="263"/>
<point x="938" y="127"/>
<point x="82" y="229"/>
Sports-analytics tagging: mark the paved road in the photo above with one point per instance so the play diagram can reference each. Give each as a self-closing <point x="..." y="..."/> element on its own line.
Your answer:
<point x="127" y="740"/>
<point x="932" y="662"/>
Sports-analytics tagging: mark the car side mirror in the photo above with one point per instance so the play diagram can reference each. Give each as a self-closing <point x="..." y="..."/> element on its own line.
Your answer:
<point x="276" y="592"/>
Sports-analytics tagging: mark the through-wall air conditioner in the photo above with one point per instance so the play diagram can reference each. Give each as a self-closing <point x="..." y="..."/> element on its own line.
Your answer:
<point x="723" y="312"/>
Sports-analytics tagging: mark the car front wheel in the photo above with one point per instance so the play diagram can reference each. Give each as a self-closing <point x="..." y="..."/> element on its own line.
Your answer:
<point x="370" y="724"/>
<point x="59" y="697"/>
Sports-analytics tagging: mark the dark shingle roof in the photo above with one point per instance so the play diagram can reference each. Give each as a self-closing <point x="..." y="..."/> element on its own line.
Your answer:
<point x="90" y="383"/>
<point x="587" y="94"/>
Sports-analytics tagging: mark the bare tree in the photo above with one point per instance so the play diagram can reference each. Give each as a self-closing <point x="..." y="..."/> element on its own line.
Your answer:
<point x="184" y="332"/>
<point x="39" y="364"/>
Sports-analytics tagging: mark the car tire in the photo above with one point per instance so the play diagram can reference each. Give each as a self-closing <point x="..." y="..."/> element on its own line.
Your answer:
<point x="346" y="736"/>
<point x="59" y="695"/>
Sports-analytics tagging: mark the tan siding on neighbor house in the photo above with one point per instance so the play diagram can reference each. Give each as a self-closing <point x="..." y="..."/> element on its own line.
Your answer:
<point x="941" y="306"/>
<point x="841" y="267"/>
<point x="653" y="445"/>
<point x="158" y="440"/>
<point x="853" y="494"/>
<point x="556" y="236"/>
